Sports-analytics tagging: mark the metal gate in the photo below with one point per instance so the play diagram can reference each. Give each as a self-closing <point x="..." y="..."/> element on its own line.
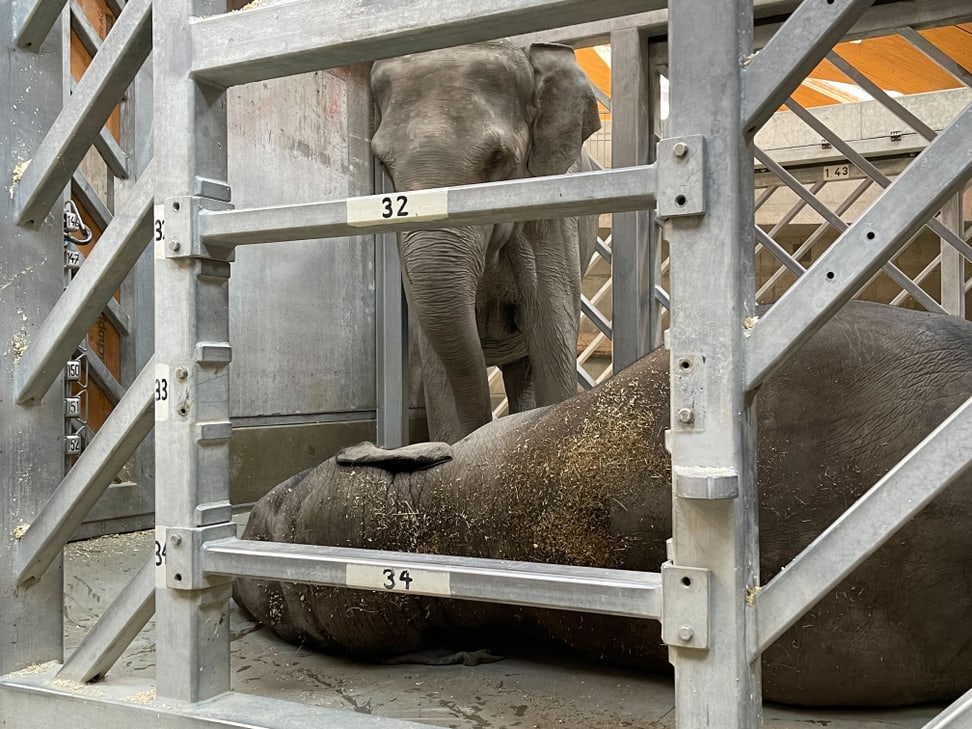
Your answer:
<point x="701" y="183"/>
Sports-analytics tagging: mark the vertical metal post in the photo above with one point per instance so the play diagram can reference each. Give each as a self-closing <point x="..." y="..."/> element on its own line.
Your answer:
<point x="713" y="428"/>
<point x="391" y="325"/>
<point x="64" y="31"/>
<point x="953" y="262"/>
<point x="636" y="317"/>
<point x="192" y="427"/>
<point x="137" y="295"/>
<point x="31" y="280"/>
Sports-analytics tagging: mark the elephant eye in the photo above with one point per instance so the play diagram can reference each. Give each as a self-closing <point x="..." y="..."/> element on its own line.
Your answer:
<point x="498" y="162"/>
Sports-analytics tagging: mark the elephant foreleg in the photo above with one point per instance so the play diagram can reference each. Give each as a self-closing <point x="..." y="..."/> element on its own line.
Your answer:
<point x="552" y="309"/>
<point x="518" y="383"/>
<point x="445" y="423"/>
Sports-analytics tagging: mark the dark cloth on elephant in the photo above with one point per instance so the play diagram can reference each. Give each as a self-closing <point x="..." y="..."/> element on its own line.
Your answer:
<point x="587" y="482"/>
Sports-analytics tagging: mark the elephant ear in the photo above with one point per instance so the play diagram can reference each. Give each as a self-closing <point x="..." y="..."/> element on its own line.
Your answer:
<point x="415" y="457"/>
<point x="566" y="110"/>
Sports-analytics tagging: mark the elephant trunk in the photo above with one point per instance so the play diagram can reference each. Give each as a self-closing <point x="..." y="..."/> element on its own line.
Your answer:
<point x="441" y="270"/>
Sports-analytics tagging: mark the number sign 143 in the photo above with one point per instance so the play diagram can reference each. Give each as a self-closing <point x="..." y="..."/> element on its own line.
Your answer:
<point x="838" y="172"/>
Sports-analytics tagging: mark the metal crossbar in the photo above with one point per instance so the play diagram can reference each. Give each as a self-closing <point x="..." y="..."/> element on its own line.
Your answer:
<point x="233" y="49"/>
<point x="587" y="589"/>
<point x="582" y="193"/>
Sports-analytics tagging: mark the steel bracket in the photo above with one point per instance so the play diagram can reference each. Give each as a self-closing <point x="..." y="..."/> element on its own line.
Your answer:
<point x="688" y="393"/>
<point x="681" y="177"/>
<point x="179" y="556"/>
<point x="705" y="482"/>
<point x="215" y="512"/>
<point x="182" y="225"/>
<point x="685" y="606"/>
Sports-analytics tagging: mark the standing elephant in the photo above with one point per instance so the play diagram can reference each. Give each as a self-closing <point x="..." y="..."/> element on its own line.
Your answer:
<point x="587" y="482"/>
<point x="506" y="294"/>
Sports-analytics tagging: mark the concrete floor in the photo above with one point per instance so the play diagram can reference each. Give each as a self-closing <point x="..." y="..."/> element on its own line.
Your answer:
<point x="539" y="690"/>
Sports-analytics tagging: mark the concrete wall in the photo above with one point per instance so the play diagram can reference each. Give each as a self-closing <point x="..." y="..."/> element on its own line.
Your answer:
<point x="302" y="315"/>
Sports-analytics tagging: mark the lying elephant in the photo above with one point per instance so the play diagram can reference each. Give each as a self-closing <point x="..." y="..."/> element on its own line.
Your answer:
<point x="586" y="482"/>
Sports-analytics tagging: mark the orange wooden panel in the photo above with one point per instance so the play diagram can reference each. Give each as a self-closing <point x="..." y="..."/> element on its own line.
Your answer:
<point x="80" y="58"/>
<point x="597" y="71"/>
<point x="808" y="96"/>
<point x="955" y="41"/>
<point x="103" y="339"/>
<point x="102" y="19"/>
<point x="893" y="64"/>
<point x="896" y="65"/>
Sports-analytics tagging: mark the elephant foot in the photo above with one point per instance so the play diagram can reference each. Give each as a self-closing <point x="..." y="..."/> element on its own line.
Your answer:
<point x="445" y="657"/>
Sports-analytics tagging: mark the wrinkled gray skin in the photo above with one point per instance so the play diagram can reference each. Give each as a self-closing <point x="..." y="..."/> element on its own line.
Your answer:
<point x="587" y="482"/>
<point x="505" y="294"/>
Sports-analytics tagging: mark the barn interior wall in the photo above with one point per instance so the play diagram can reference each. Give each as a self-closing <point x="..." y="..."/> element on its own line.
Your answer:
<point x="302" y="315"/>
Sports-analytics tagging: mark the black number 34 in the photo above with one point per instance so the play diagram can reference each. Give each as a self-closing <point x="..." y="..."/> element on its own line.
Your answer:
<point x="388" y="208"/>
<point x="390" y="583"/>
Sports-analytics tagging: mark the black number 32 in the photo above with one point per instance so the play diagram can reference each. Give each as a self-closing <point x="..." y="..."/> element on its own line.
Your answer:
<point x="388" y="209"/>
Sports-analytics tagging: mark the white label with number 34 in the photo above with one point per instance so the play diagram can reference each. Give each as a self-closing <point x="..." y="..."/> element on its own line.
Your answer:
<point x="397" y="206"/>
<point x="159" y="554"/>
<point x="398" y="579"/>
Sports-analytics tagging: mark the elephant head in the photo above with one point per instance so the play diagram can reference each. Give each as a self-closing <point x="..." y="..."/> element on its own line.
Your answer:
<point x="473" y="114"/>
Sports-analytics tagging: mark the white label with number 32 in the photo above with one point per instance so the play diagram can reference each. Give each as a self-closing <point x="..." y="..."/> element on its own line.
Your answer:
<point x="396" y="206"/>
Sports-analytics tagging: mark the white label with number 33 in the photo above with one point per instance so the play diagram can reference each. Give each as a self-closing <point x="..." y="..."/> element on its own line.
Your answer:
<point x="398" y="579"/>
<point x="396" y="206"/>
<point x="158" y="230"/>
<point x="161" y="393"/>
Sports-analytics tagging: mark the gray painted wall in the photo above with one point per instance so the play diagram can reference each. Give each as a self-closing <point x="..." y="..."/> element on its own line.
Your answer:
<point x="302" y="314"/>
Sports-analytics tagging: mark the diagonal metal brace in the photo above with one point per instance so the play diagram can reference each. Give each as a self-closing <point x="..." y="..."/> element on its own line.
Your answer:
<point x="115" y="629"/>
<point x="796" y="48"/>
<point x="33" y="21"/>
<point x="84" y="114"/>
<point x="862" y="249"/>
